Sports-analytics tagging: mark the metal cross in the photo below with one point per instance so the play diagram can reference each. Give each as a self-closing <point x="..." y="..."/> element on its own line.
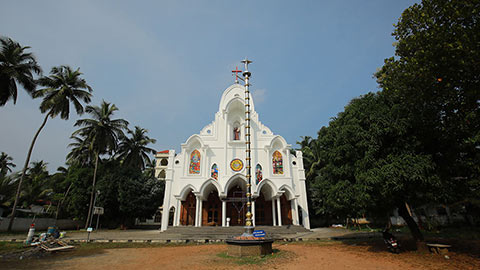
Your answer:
<point x="246" y="62"/>
<point x="236" y="71"/>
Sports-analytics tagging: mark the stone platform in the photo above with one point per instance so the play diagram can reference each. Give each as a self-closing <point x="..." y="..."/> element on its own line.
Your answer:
<point x="244" y="248"/>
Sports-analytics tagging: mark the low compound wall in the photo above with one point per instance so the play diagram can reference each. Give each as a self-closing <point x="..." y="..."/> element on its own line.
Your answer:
<point x="23" y="224"/>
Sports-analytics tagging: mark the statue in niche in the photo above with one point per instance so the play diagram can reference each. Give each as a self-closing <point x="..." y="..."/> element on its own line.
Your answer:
<point x="236" y="133"/>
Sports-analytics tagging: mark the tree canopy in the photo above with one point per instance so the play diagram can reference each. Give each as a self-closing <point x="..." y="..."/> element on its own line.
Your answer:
<point x="416" y="141"/>
<point x="16" y="66"/>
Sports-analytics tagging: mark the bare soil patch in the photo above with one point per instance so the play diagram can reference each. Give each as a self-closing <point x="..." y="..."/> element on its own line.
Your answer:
<point x="311" y="255"/>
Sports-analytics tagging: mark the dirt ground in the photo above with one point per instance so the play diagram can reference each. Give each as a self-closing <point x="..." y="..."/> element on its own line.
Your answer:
<point x="332" y="256"/>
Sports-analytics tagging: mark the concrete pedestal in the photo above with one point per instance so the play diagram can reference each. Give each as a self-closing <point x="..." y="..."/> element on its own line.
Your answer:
<point x="243" y="248"/>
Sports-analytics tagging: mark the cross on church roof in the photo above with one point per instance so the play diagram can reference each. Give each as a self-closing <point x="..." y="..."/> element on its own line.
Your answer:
<point x="246" y="62"/>
<point x="236" y="71"/>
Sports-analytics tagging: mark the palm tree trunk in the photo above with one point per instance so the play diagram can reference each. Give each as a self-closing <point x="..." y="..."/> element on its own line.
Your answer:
<point x="19" y="188"/>
<point x="93" y="192"/>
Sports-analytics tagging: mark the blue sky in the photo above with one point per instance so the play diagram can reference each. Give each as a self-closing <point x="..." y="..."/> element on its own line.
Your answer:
<point x="165" y="64"/>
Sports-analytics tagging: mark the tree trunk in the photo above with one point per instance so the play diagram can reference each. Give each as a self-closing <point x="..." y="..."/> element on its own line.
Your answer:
<point x="412" y="225"/>
<point x="24" y="171"/>
<point x="93" y="192"/>
<point x="61" y="202"/>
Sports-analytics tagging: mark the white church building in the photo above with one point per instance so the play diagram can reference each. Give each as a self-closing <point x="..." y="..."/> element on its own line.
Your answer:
<point x="205" y="183"/>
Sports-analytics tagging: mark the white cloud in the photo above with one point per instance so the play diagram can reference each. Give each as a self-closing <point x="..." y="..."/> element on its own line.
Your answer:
<point x="259" y="95"/>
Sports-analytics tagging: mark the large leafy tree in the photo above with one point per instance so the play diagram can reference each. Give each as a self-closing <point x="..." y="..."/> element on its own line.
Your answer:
<point x="16" y="66"/>
<point x="417" y="140"/>
<point x="133" y="150"/>
<point x="76" y="201"/>
<point x="37" y="185"/>
<point x="126" y="193"/>
<point x="435" y="78"/>
<point x="367" y="164"/>
<point x="62" y="87"/>
<point x="101" y="134"/>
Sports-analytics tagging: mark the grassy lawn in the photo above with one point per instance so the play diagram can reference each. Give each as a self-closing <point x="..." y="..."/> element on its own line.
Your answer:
<point x="95" y="245"/>
<point x="7" y="247"/>
<point x="254" y="259"/>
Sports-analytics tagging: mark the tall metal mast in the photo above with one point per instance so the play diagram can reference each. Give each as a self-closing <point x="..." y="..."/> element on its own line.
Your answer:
<point x="248" y="221"/>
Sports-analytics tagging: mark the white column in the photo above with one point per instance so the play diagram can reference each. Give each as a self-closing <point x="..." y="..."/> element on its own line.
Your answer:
<point x="295" y="211"/>
<point x="224" y="213"/>
<point x="197" y="204"/>
<point x="200" y="213"/>
<point x="166" y="205"/>
<point x="253" y="212"/>
<point x="176" y="220"/>
<point x="306" y="220"/>
<point x="165" y="217"/>
<point x="274" y="213"/>
<point x="279" y="210"/>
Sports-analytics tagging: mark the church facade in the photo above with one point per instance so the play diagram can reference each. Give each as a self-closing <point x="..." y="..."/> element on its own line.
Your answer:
<point x="205" y="183"/>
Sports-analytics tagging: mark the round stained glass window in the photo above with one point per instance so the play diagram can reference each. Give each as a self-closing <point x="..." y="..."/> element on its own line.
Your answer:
<point x="236" y="165"/>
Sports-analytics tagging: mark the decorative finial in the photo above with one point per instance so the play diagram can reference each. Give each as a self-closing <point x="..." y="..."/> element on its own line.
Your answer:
<point x="236" y="71"/>
<point x="246" y="62"/>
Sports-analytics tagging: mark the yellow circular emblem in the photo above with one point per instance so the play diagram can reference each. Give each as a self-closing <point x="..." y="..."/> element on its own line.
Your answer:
<point x="236" y="165"/>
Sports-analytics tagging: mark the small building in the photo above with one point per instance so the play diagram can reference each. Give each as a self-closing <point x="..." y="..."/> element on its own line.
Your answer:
<point x="205" y="183"/>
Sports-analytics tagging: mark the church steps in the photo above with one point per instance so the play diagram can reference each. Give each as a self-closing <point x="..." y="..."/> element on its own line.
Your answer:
<point x="190" y="232"/>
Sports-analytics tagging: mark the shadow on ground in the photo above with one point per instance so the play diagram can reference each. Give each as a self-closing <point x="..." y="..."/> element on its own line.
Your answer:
<point x="376" y="244"/>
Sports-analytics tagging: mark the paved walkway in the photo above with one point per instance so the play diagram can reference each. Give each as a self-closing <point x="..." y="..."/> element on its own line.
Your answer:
<point x="157" y="236"/>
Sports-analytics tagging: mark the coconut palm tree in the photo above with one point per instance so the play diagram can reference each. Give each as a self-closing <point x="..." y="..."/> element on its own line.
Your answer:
<point x="16" y="66"/>
<point x="80" y="153"/>
<point x="36" y="184"/>
<point x="62" y="87"/>
<point x="6" y="182"/>
<point x="134" y="151"/>
<point x="6" y="164"/>
<point x="149" y="171"/>
<point x="7" y="188"/>
<point x="311" y="159"/>
<point x="101" y="134"/>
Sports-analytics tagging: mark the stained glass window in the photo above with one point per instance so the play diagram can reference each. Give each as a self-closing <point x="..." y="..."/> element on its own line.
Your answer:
<point x="277" y="162"/>
<point x="258" y="173"/>
<point x="214" y="172"/>
<point x="194" y="162"/>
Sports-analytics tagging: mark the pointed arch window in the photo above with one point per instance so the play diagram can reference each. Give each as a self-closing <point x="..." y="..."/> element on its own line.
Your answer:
<point x="277" y="162"/>
<point x="214" y="173"/>
<point x="194" y="162"/>
<point x="258" y="173"/>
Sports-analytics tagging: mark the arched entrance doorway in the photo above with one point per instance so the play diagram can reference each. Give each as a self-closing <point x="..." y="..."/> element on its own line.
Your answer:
<point x="286" y="208"/>
<point x="171" y="214"/>
<point x="263" y="204"/>
<point x="187" y="212"/>
<point x="263" y="211"/>
<point x="212" y="210"/>
<point x="236" y="206"/>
